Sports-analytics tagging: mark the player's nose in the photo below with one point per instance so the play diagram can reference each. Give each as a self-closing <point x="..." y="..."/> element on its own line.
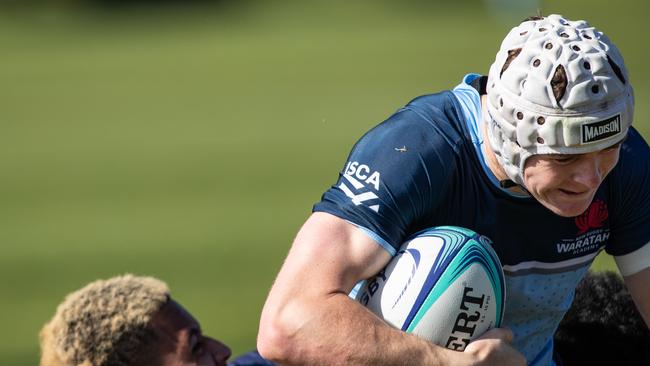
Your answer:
<point x="589" y="173"/>
<point x="220" y="352"/>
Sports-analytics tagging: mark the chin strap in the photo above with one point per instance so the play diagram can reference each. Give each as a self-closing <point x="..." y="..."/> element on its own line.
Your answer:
<point x="507" y="183"/>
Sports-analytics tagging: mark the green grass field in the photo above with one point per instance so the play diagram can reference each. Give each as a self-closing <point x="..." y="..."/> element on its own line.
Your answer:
<point x="191" y="144"/>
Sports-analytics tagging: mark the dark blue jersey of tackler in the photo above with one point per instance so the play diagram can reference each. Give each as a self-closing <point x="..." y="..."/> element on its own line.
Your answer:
<point x="423" y="167"/>
<point x="252" y="358"/>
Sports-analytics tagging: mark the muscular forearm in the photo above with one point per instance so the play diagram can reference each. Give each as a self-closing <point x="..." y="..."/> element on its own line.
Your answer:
<point x="341" y="332"/>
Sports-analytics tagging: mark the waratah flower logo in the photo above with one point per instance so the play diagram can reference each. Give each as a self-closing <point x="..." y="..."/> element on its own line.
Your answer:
<point x="593" y="218"/>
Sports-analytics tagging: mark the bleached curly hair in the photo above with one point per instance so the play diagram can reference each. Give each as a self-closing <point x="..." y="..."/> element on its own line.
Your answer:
<point x="104" y="323"/>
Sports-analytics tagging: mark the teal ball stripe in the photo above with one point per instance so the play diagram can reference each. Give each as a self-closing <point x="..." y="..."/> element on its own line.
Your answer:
<point x="470" y="253"/>
<point x="452" y="241"/>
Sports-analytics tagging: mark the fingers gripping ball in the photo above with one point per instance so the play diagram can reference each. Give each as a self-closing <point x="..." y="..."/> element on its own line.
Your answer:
<point x="445" y="285"/>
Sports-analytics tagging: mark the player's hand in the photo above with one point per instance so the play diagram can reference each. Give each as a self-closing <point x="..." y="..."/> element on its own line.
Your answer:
<point x="495" y="348"/>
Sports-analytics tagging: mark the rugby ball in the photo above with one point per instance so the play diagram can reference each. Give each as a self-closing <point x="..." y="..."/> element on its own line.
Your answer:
<point x="445" y="285"/>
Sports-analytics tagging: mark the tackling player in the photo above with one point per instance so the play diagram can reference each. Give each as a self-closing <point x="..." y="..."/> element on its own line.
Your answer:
<point x="539" y="156"/>
<point x="130" y="321"/>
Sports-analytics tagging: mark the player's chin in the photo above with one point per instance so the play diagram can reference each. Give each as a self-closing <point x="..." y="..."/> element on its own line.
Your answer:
<point x="565" y="206"/>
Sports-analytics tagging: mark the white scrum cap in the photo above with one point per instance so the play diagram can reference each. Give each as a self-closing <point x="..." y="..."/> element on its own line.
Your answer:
<point x="556" y="87"/>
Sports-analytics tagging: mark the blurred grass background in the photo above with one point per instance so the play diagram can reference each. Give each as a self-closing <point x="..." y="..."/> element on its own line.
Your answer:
<point x="188" y="140"/>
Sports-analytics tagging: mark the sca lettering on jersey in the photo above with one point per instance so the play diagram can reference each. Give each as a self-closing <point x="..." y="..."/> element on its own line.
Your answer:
<point x="592" y="233"/>
<point x="360" y="181"/>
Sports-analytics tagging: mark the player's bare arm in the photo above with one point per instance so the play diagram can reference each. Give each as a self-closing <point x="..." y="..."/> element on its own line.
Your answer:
<point x="309" y="319"/>
<point x="638" y="284"/>
<point x="635" y="268"/>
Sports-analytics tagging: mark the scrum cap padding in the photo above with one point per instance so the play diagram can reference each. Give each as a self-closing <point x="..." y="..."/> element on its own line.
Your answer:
<point x="556" y="87"/>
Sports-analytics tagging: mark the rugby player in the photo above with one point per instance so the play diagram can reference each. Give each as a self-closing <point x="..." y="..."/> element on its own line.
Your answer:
<point x="539" y="156"/>
<point x="130" y="321"/>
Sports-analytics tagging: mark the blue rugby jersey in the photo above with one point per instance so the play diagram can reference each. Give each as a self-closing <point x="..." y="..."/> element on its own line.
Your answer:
<point x="423" y="167"/>
<point x="252" y="358"/>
